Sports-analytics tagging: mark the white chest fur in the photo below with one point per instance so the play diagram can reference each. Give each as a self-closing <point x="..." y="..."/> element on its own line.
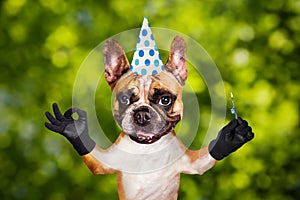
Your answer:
<point x="131" y="157"/>
<point x="162" y="184"/>
<point x="151" y="171"/>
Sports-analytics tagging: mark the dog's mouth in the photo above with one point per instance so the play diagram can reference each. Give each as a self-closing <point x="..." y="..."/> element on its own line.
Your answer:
<point x="143" y="137"/>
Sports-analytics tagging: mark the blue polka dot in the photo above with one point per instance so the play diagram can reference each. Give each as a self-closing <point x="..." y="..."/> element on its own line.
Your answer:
<point x="136" y="61"/>
<point x="152" y="37"/>
<point x="162" y="68"/>
<point x="131" y="67"/>
<point x="151" y="52"/>
<point x="156" y="63"/>
<point x="146" y="43"/>
<point x="141" y="53"/>
<point x="143" y="71"/>
<point x="135" y="73"/>
<point x="147" y="62"/>
<point x="155" y="47"/>
<point x="159" y="56"/>
<point x="154" y="72"/>
<point x="144" y="32"/>
<point x="148" y="24"/>
<point x="139" y="40"/>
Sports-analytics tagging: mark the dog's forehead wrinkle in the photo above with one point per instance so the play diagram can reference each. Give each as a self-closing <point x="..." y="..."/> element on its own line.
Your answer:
<point x="145" y="83"/>
<point x="167" y="81"/>
<point x="128" y="91"/>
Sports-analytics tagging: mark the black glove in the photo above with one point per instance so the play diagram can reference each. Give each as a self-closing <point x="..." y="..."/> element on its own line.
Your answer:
<point x="76" y="131"/>
<point x="230" y="138"/>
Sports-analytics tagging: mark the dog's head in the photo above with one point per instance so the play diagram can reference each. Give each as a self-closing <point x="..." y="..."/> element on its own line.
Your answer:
<point x="146" y="107"/>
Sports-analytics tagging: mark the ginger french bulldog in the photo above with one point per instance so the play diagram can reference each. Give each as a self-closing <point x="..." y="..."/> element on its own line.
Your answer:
<point x="147" y="157"/>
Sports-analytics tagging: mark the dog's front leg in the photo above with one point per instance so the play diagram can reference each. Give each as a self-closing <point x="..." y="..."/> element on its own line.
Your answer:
<point x="197" y="162"/>
<point x="94" y="164"/>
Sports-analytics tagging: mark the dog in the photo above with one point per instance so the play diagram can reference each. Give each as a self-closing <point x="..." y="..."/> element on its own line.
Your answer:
<point x="147" y="157"/>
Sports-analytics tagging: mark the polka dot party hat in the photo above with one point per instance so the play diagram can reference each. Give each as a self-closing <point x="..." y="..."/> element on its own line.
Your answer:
<point x="146" y="59"/>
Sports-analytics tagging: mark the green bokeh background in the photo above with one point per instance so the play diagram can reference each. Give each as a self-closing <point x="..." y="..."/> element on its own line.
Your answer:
<point x="255" y="44"/>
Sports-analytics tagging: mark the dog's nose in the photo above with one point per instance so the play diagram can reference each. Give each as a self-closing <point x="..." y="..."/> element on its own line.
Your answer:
<point x="142" y="117"/>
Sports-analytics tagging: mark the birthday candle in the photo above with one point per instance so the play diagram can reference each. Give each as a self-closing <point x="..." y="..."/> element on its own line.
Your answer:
<point x="233" y="111"/>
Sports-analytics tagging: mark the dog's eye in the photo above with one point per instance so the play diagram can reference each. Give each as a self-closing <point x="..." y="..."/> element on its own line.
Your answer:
<point x="124" y="100"/>
<point x="165" y="101"/>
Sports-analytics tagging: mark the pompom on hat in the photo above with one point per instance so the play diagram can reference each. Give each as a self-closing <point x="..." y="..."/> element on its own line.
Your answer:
<point x="146" y="58"/>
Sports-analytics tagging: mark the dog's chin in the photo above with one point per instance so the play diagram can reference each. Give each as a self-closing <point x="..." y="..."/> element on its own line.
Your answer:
<point x="144" y="137"/>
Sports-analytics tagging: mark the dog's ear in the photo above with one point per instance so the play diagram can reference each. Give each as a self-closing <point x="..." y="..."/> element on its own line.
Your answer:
<point x="176" y="63"/>
<point x="115" y="62"/>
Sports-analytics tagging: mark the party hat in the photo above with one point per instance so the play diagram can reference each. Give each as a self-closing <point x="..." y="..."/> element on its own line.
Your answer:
<point x="146" y="59"/>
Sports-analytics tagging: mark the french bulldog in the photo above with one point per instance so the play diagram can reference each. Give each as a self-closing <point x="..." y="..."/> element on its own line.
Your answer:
<point x="147" y="157"/>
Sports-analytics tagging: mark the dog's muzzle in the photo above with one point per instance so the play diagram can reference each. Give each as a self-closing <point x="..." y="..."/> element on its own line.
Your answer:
<point x="147" y="125"/>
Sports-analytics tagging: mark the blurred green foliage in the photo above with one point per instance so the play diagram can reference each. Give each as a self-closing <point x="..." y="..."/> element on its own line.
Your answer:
<point x="255" y="44"/>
